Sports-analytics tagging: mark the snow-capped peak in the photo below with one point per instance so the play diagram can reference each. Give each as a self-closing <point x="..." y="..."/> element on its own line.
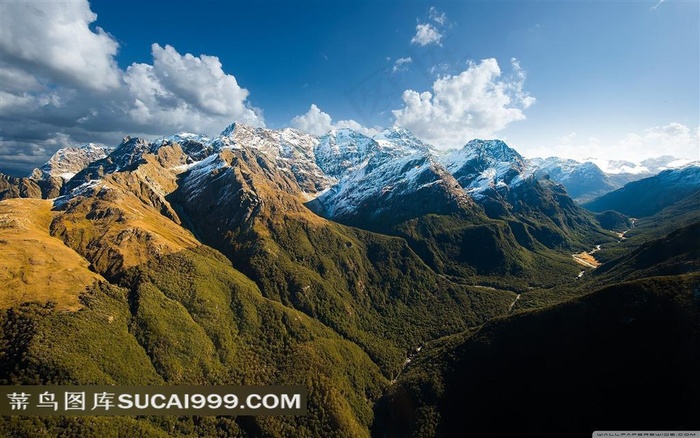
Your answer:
<point x="228" y="130"/>
<point x="484" y="164"/>
<point x="182" y="137"/>
<point x="647" y="167"/>
<point x="401" y="137"/>
<point x="292" y="150"/>
<point x="66" y="162"/>
<point x="484" y="152"/>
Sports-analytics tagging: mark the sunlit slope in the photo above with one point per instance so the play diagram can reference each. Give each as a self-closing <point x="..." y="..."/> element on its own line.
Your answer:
<point x="36" y="266"/>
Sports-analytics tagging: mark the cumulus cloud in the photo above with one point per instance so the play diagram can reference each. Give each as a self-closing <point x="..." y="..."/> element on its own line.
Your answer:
<point x="200" y="81"/>
<point x="426" y="34"/>
<point x="314" y="121"/>
<point x="475" y="103"/>
<point x="355" y="126"/>
<point x="401" y="64"/>
<point x="60" y="85"/>
<point x="317" y="122"/>
<point x="55" y="38"/>
<point x="186" y="91"/>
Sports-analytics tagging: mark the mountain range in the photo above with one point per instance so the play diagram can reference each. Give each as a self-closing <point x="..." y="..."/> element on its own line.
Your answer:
<point x="584" y="181"/>
<point x="267" y="256"/>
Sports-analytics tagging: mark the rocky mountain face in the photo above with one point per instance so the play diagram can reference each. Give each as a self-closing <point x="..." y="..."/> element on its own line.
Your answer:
<point x="506" y="186"/>
<point x="485" y="164"/>
<point x="383" y="184"/>
<point x="13" y="187"/>
<point x="66" y="162"/>
<point x="385" y="180"/>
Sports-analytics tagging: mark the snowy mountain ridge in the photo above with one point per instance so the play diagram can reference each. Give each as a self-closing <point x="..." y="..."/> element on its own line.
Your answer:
<point x="595" y="177"/>
<point x="67" y="162"/>
<point x="343" y="170"/>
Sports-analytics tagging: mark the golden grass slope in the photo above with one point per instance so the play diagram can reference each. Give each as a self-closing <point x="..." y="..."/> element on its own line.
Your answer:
<point x="34" y="266"/>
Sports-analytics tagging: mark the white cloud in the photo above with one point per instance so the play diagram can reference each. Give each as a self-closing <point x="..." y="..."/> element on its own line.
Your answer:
<point x="55" y="39"/>
<point x="401" y="64"/>
<point x="567" y="139"/>
<point x="186" y="92"/>
<point x="200" y="81"/>
<point x="475" y="103"/>
<point x="316" y="122"/>
<point x="657" y="5"/>
<point x="59" y="79"/>
<point x="673" y="139"/>
<point x="355" y="126"/>
<point x="438" y="17"/>
<point x="426" y="34"/>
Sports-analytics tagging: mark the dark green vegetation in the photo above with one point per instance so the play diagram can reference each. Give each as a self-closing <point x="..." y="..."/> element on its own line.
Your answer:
<point x="622" y="348"/>
<point x="623" y="357"/>
<point x="614" y="221"/>
<point x="191" y="318"/>
<point x="226" y="277"/>
<point x="669" y="240"/>
<point x="645" y="229"/>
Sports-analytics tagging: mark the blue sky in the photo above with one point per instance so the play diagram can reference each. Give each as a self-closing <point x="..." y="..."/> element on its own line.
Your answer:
<point x="575" y="79"/>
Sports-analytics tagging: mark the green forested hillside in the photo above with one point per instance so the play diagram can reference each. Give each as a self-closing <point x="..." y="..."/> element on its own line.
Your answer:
<point x="222" y="275"/>
<point x="625" y="354"/>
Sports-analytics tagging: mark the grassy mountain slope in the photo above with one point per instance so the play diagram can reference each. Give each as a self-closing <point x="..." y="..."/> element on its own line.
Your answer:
<point x="191" y="318"/>
<point x="36" y="265"/>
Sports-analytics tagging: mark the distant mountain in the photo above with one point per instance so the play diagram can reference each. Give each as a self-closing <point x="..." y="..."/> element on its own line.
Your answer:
<point x="48" y="180"/>
<point x="499" y="179"/>
<point x="650" y="195"/>
<point x="66" y="162"/>
<point x="582" y="180"/>
<point x="592" y="178"/>
<point x="647" y="167"/>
